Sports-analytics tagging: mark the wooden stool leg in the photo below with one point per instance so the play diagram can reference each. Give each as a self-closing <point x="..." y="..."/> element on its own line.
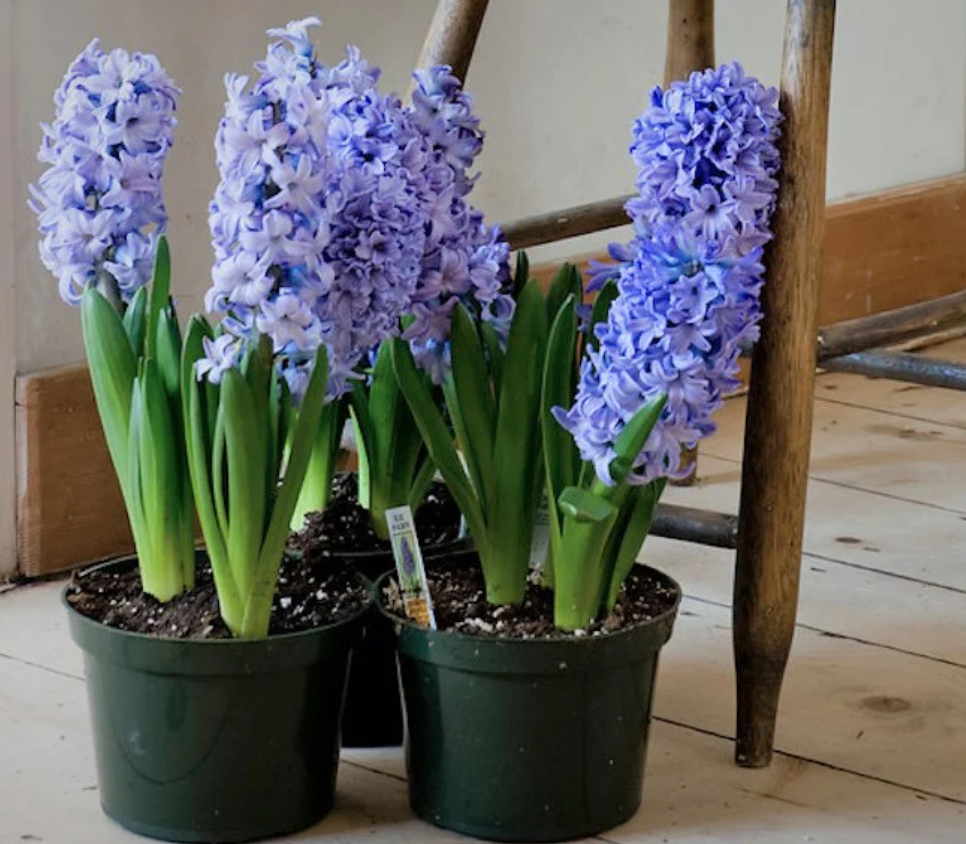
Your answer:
<point x="779" y="421"/>
<point x="690" y="47"/>
<point x="452" y="35"/>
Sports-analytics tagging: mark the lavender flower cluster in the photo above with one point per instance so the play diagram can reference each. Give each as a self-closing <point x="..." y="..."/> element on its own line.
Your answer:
<point x="464" y="260"/>
<point x="338" y="208"/>
<point x="689" y="282"/>
<point x="269" y="219"/>
<point x="99" y="203"/>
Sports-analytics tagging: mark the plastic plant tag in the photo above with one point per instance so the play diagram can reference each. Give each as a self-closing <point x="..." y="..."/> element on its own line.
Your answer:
<point x="540" y="543"/>
<point x="409" y="566"/>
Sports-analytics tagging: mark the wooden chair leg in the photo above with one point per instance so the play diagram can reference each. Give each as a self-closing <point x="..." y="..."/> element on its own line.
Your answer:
<point x="690" y="47"/>
<point x="779" y="421"/>
<point x="690" y="38"/>
<point x="452" y="35"/>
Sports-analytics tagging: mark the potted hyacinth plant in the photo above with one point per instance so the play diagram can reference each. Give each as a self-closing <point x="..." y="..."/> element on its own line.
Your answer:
<point x="597" y="415"/>
<point x="407" y="229"/>
<point x="216" y="703"/>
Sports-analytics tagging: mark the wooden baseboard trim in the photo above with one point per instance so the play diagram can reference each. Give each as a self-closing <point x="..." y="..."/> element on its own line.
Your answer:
<point x="69" y="505"/>
<point x="884" y="251"/>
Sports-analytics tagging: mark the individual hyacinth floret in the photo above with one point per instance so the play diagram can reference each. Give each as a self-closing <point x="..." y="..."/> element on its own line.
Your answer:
<point x="689" y="284"/>
<point x="100" y="203"/>
<point x="317" y="221"/>
<point x="465" y="261"/>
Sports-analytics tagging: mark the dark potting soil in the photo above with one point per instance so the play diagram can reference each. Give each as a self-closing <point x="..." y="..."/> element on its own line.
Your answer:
<point x="460" y="605"/>
<point x="307" y="597"/>
<point x="344" y="524"/>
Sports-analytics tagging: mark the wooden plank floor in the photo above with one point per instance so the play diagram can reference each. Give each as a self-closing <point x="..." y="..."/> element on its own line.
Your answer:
<point x="872" y="734"/>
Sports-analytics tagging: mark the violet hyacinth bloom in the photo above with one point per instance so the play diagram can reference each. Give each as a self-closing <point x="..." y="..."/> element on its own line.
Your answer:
<point x="317" y="222"/>
<point x="689" y="283"/>
<point x="465" y="260"/>
<point x="99" y="204"/>
<point x="706" y="152"/>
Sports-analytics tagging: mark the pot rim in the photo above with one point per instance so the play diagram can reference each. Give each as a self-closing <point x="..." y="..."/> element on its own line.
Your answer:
<point x="598" y="639"/>
<point x="460" y="545"/>
<point x="270" y="641"/>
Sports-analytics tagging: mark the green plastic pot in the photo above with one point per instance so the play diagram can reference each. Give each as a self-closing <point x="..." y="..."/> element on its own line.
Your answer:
<point x="215" y="741"/>
<point x="373" y="707"/>
<point x="528" y="740"/>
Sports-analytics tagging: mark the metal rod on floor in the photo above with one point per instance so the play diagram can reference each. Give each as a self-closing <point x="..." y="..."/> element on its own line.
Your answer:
<point x="902" y="366"/>
<point x="704" y="527"/>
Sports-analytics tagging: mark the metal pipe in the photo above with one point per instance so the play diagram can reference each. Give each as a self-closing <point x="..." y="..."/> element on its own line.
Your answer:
<point x="704" y="527"/>
<point x="902" y="366"/>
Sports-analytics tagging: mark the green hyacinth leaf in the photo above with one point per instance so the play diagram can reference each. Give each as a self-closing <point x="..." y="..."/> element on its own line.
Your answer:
<point x="160" y="292"/>
<point x="135" y="320"/>
<point x="113" y="367"/>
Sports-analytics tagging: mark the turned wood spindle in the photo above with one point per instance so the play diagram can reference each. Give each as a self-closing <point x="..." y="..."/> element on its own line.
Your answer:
<point x="690" y="47"/>
<point x="452" y="35"/>
<point x="779" y="420"/>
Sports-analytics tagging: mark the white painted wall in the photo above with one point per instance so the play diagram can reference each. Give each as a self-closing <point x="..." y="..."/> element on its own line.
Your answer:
<point x="558" y="83"/>
<point x="8" y="339"/>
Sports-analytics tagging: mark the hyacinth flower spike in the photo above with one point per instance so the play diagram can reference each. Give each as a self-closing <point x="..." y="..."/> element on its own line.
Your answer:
<point x="102" y="219"/>
<point x="300" y="313"/>
<point x="663" y="348"/>
<point x="462" y="262"/>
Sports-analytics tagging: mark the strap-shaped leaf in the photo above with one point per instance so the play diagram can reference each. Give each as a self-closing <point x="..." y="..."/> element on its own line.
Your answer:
<point x="517" y="455"/>
<point x="219" y="477"/>
<point x="605" y="298"/>
<point x="436" y="436"/>
<point x="578" y="581"/>
<point x="471" y="404"/>
<point x="135" y="506"/>
<point x="582" y="505"/>
<point x="259" y="371"/>
<point x="522" y="274"/>
<point x="113" y="367"/>
<point x="632" y="528"/>
<point x="317" y="485"/>
<point x="246" y="455"/>
<point x="422" y="480"/>
<point x="365" y="445"/>
<point x="566" y="283"/>
<point x="135" y="320"/>
<point x="632" y="437"/>
<point x="202" y="482"/>
<point x="160" y="292"/>
<point x="258" y="605"/>
<point x="168" y="353"/>
<point x="193" y="350"/>
<point x="495" y="357"/>
<point x="160" y="484"/>
<point x="560" y="452"/>
<point x="392" y="439"/>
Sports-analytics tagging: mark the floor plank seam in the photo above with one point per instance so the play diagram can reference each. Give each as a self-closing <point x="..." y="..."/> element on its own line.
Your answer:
<point x="819" y="763"/>
<point x="812" y="555"/>
<point x="360" y="766"/>
<point x="833" y="635"/>
<point x="843" y="485"/>
<point x="40" y="667"/>
<point x="912" y="418"/>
